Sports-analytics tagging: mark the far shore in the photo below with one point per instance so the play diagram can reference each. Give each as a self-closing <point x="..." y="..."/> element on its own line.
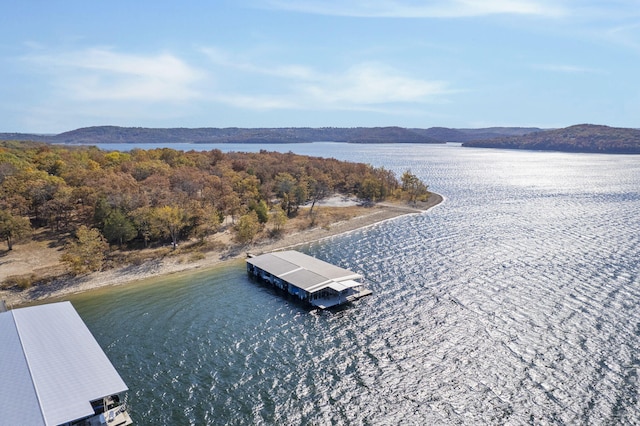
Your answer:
<point x="161" y="267"/>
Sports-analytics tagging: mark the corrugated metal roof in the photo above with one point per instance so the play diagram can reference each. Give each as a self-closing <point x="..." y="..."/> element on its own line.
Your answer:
<point x="301" y="270"/>
<point x="318" y="266"/>
<point x="55" y="363"/>
<point x="18" y="400"/>
<point x="304" y="279"/>
<point x="273" y="264"/>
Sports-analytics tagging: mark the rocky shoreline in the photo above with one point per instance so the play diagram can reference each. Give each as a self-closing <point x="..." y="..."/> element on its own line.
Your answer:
<point x="165" y="266"/>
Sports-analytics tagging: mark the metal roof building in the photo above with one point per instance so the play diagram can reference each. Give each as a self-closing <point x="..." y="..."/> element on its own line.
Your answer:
<point x="315" y="281"/>
<point x="52" y="366"/>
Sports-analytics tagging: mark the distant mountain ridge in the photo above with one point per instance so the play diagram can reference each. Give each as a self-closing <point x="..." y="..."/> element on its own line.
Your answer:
<point x="466" y="135"/>
<point x="115" y="134"/>
<point x="579" y="138"/>
<point x="588" y="138"/>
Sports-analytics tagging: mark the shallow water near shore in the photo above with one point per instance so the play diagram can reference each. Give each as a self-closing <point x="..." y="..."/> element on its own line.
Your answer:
<point x="515" y="301"/>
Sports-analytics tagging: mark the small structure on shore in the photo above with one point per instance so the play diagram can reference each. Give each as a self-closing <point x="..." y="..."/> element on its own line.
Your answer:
<point x="312" y="280"/>
<point x="54" y="372"/>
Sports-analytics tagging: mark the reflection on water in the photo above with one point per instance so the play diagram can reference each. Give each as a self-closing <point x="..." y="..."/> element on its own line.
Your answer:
<point x="516" y="301"/>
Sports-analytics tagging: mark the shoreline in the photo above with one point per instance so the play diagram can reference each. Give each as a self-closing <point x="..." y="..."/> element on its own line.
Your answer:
<point x="131" y="274"/>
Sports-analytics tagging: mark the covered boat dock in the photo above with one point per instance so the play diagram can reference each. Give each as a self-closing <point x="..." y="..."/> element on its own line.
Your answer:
<point x="54" y="371"/>
<point x="312" y="280"/>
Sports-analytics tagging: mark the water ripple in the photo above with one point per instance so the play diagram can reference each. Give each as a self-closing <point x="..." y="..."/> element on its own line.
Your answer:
<point x="515" y="302"/>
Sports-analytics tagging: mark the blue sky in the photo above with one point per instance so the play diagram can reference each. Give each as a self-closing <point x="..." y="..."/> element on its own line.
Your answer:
<point x="317" y="63"/>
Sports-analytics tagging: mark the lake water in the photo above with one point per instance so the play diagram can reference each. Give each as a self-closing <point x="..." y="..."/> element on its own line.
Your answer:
<point x="516" y="301"/>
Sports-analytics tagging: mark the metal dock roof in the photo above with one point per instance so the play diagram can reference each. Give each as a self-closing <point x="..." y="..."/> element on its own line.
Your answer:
<point x="301" y="270"/>
<point x="52" y="366"/>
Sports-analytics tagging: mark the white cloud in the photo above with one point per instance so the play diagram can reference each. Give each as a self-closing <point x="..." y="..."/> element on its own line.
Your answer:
<point x="100" y="79"/>
<point x="102" y="74"/>
<point x="420" y="9"/>
<point x="360" y="87"/>
<point x="368" y="84"/>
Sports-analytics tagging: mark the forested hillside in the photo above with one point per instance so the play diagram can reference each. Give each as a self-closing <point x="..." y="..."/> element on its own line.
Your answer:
<point x="465" y="135"/>
<point x="92" y="198"/>
<point x="580" y="138"/>
<point x="115" y="134"/>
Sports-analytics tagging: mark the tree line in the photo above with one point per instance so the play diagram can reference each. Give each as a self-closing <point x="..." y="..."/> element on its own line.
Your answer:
<point x="144" y="198"/>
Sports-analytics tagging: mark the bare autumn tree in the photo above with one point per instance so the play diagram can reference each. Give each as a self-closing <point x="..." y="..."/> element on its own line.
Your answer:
<point x="319" y="188"/>
<point x="58" y="210"/>
<point x="203" y="220"/>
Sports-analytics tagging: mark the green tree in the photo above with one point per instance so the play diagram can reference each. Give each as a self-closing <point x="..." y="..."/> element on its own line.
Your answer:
<point x="117" y="227"/>
<point x="300" y="194"/>
<point x="285" y="185"/>
<point x="261" y="210"/>
<point x="88" y="252"/>
<point x="413" y="186"/>
<point x="370" y="190"/>
<point x="101" y="210"/>
<point x="13" y="228"/>
<point x="246" y="186"/>
<point x="144" y="221"/>
<point x="279" y="218"/>
<point x="247" y="227"/>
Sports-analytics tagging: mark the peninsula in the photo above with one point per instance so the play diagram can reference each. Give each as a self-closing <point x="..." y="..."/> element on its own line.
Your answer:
<point x="79" y="217"/>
